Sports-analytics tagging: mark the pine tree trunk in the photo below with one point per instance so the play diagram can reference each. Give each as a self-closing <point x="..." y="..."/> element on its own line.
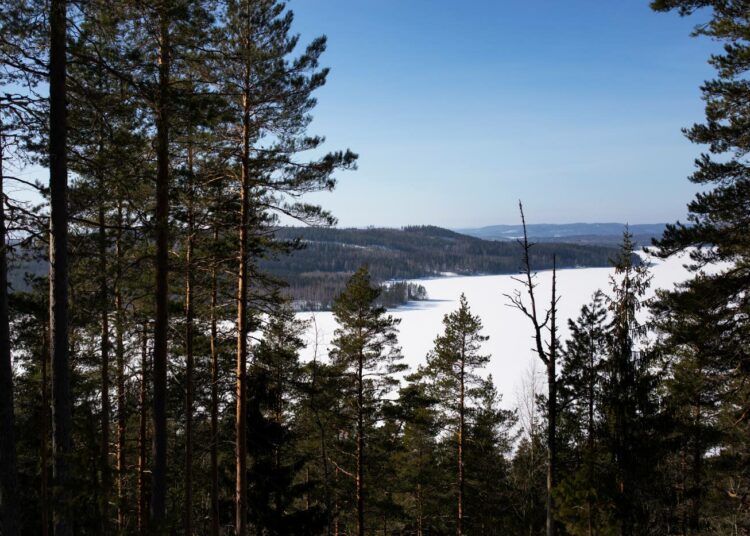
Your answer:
<point x="590" y="444"/>
<point x="120" y="357"/>
<point x="214" y="403"/>
<point x="8" y="476"/>
<point x="161" y="327"/>
<point x="552" y="409"/>
<point x="461" y="424"/>
<point x="104" y="349"/>
<point x="141" y="521"/>
<point x="242" y="282"/>
<point x="189" y="353"/>
<point x="58" y="276"/>
<point x="360" y="447"/>
<point x="44" y="439"/>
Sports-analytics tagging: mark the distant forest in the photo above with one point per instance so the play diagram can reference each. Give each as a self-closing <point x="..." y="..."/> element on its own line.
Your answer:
<point x="318" y="271"/>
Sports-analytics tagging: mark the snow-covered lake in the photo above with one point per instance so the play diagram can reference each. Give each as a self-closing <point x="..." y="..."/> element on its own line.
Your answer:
<point x="510" y="343"/>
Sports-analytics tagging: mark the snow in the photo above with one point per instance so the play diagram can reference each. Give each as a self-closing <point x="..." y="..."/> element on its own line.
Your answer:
<point x="510" y="343"/>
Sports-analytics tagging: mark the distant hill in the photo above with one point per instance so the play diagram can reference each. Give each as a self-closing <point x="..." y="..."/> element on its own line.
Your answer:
<point x="319" y="271"/>
<point x="576" y="233"/>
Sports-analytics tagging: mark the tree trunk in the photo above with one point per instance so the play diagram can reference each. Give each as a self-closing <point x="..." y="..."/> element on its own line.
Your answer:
<point x="189" y="353"/>
<point x="461" y="424"/>
<point x="104" y="349"/>
<point x="214" y="402"/>
<point x="141" y="513"/>
<point x="58" y="275"/>
<point x="120" y="356"/>
<point x="44" y="452"/>
<point x="552" y="409"/>
<point x="8" y="476"/>
<point x="242" y="281"/>
<point x="161" y="327"/>
<point x="590" y="442"/>
<point x="360" y="447"/>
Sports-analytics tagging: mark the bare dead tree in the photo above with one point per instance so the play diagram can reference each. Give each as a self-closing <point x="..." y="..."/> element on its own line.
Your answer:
<point x="544" y="324"/>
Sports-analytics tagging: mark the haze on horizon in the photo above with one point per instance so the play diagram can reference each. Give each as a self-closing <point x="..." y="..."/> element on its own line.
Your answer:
<point x="576" y="108"/>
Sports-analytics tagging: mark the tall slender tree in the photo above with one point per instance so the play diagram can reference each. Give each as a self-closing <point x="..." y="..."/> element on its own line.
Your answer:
<point x="8" y="475"/>
<point x="453" y="364"/>
<point x="365" y="355"/>
<point x="58" y="277"/>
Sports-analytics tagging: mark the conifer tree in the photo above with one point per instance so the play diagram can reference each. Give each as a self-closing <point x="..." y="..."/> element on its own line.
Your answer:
<point x="59" y="312"/>
<point x="489" y="443"/>
<point x="628" y="401"/>
<point x="581" y="385"/>
<point x="277" y="383"/>
<point x="365" y="355"/>
<point x="707" y="316"/>
<point x="8" y="476"/>
<point x="420" y="471"/>
<point x="453" y="365"/>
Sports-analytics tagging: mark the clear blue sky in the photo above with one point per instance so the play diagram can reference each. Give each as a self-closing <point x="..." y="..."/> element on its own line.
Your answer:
<point x="458" y="109"/>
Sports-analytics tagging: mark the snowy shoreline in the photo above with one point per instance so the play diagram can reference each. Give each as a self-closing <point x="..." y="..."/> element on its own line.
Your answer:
<point x="510" y="343"/>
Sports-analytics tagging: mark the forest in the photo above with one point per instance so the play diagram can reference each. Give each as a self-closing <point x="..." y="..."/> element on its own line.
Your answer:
<point x="151" y="382"/>
<point x="317" y="270"/>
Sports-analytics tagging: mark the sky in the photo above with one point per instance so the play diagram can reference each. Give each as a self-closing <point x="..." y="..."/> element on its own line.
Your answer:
<point x="459" y="109"/>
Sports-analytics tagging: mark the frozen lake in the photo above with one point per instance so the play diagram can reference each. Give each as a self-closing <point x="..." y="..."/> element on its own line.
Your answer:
<point x="510" y="343"/>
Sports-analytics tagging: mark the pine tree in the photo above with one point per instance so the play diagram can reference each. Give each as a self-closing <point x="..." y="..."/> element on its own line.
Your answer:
<point x="453" y="364"/>
<point x="707" y="316"/>
<point x="276" y="488"/>
<point x="489" y="442"/>
<point x="365" y="355"/>
<point x="421" y="473"/>
<point x="59" y="316"/>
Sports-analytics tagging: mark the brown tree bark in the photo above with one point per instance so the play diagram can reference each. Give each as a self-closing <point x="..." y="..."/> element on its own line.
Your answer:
<point x="141" y="514"/>
<point x="242" y="297"/>
<point x="161" y="321"/>
<point x="104" y="468"/>
<point x="58" y="276"/>
<point x="8" y="475"/>
<point x="44" y="439"/>
<point x="120" y="357"/>
<point x="214" y="402"/>
<point x="359" y="480"/>
<point x="552" y="407"/>
<point x="461" y="429"/>
<point x="189" y="314"/>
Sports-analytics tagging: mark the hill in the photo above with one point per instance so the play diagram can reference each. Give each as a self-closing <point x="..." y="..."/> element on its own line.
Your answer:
<point x="317" y="272"/>
<point x="576" y="233"/>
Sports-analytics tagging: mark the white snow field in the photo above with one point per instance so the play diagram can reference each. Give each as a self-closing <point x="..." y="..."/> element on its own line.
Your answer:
<point x="510" y="343"/>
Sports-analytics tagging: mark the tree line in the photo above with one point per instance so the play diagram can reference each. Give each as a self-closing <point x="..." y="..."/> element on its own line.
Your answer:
<point x="152" y="384"/>
<point x="317" y="272"/>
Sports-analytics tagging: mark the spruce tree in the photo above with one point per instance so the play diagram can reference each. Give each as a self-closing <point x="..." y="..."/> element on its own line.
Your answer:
<point x="580" y="390"/>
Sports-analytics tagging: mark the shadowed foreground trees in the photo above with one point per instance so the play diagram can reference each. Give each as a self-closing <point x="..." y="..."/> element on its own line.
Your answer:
<point x="177" y="135"/>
